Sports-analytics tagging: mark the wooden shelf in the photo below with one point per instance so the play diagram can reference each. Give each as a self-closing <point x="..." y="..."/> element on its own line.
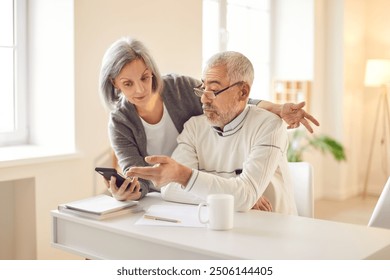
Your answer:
<point x="292" y="91"/>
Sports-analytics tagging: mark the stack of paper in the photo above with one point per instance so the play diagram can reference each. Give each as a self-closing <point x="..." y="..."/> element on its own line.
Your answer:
<point x="100" y="207"/>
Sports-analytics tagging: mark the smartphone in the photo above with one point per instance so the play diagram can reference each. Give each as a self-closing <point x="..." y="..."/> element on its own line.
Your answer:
<point x="107" y="173"/>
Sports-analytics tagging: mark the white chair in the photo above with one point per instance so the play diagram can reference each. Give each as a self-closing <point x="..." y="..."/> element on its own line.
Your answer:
<point x="302" y="179"/>
<point x="381" y="215"/>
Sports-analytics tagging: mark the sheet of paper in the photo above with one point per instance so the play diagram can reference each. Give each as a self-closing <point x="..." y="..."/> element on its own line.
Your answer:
<point x="187" y="215"/>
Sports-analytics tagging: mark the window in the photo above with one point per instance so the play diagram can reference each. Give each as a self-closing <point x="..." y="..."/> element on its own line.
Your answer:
<point x="244" y="26"/>
<point x="12" y="72"/>
<point x="45" y="125"/>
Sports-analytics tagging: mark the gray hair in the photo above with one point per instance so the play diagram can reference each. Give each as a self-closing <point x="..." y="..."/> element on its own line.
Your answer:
<point x="238" y="66"/>
<point x="118" y="55"/>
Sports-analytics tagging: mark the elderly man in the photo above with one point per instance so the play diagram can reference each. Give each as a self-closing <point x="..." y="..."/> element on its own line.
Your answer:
<point x="232" y="148"/>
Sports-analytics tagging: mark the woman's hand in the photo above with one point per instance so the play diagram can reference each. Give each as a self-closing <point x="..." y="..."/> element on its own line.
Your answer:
<point x="129" y="190"/>
<point x="294" y="115"/>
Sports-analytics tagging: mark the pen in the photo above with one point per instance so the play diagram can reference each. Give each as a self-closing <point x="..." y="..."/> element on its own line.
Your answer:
<point x="161" y="219"/>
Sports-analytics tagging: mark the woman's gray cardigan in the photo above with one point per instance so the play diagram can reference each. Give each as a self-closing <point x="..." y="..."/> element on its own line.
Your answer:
<point x="127" y="134"/>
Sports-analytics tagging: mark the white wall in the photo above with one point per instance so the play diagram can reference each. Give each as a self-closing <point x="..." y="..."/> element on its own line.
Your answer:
<point x="332" y="99"/>
<point x="354" y="41"/>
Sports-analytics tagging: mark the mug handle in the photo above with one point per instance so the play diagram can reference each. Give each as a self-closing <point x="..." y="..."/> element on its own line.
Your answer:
<point x="199" y="215"/>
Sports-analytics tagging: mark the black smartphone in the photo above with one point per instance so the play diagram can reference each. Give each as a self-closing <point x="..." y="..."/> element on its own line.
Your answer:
<point x="108" y="172"/>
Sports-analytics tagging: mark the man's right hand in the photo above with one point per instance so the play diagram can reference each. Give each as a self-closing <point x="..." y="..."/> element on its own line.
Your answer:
<point x="163" y="170"/>
<point x="263" y="204"/>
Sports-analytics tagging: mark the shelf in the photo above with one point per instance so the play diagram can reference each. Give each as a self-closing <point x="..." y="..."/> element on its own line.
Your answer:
<point x="292" y="91"/>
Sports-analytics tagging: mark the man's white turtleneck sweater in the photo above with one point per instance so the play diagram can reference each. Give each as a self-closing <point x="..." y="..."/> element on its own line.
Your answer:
<point x="247" y="159"/>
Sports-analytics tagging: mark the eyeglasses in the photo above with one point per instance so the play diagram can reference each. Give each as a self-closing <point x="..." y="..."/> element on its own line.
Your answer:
<point x="199" y="91"/>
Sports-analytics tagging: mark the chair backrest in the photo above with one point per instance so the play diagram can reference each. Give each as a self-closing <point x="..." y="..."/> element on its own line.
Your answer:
<point x="302" y="179"/>
<point x="381" y="215"/>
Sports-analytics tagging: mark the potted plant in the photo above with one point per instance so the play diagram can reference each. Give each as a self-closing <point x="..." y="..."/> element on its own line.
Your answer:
<point x="300" y="142"/>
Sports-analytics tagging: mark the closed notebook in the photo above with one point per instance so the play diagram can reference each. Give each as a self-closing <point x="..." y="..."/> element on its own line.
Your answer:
<point x="99" y="205"/>
<point x="133" y="209"/>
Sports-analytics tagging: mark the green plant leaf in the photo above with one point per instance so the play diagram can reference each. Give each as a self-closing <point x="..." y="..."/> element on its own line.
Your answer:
<point x="293" y="156"/>
<point x="327" y="144"/>
<point x="300" y="142"/>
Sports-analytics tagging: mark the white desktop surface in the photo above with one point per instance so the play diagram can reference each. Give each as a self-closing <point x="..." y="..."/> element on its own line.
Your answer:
<point x="256" y="235"/>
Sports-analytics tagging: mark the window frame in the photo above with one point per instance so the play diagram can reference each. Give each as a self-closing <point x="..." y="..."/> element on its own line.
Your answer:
<point x="20" y="133"/>
<point x="223" y="38"/>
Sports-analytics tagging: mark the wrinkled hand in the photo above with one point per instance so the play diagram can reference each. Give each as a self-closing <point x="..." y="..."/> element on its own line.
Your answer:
<point x="263" y="204"/>
<point x="164" y="170"/>
<point x="122" y="193"/>
<point x="294" y="115"/>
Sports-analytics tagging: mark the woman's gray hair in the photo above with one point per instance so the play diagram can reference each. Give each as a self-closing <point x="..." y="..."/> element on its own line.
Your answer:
<point x="118" y="55"/>
<point x="238" y="66"/>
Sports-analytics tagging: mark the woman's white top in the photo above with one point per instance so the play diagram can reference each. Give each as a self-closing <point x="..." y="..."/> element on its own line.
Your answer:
<point x="161" y="137"/>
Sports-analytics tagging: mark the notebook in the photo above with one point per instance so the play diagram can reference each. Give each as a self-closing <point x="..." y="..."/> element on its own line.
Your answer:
<point x="133" y="209"/>
<point x="99" y="205"/>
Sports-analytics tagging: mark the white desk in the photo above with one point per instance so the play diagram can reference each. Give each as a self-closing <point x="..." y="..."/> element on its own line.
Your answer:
<point x="256" y="235"/>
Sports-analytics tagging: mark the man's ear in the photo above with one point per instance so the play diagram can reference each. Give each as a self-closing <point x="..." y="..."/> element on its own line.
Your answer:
<point x="245" y="89"/>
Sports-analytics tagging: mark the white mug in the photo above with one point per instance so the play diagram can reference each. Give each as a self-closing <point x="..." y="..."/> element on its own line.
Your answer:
<point x="220" y="211"/>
